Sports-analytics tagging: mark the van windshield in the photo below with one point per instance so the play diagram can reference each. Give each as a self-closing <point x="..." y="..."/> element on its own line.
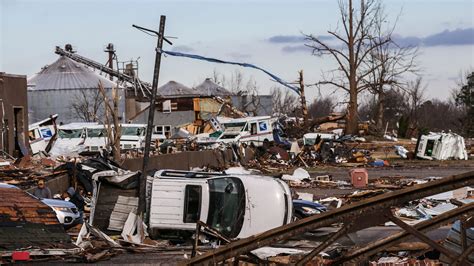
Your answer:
<point x="226" y="205"/>
<point x="132" y="131"/>
<point x="95" y="132"/>
<point x="70" y="133"/>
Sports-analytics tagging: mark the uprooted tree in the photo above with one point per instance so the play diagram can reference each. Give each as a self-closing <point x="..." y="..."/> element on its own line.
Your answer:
<point x="353" y="45"/>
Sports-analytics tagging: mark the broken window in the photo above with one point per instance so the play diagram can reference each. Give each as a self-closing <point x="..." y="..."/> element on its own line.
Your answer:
<point x="96" y="132"/>
<point x="133" y="131"/>
<point x="70" y="133"/>
<point x="192" y="204"/>
<point x="429" y="147"/>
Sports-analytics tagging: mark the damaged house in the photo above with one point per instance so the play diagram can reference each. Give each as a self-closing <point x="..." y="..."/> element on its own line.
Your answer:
<point x="181" y="106"/>
<point x="13" y="114"/>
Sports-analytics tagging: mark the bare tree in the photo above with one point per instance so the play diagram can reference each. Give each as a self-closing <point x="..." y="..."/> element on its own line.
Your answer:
<point x="416" y="97"/>
<point x="352" y="49"/>
<point x="464" y="99"/>
<point x="321" y="107"/>
<point x="88" y="105"/>
<point x="247" y="89"/>
<point x="235" y="83"/>
<point x="284" y="101"/>
<point x="389" y="62"/>
<point x="111" y="118"/>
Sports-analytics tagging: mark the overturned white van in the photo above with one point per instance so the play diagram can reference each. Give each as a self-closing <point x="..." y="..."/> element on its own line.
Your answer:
<point x="232" y="204"/>
<point x="441" y="146"/>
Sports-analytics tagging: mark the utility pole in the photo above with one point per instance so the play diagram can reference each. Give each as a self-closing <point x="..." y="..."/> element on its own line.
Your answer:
<point x="304" y="107"/>
<point x="151" y="116"/>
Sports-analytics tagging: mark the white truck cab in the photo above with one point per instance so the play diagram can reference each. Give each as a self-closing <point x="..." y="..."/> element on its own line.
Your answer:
<point x="96" y="138"/>
<point x="238" y="206"/>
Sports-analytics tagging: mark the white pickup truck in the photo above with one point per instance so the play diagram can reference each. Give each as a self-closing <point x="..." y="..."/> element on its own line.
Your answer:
<point x="238" y="206"/>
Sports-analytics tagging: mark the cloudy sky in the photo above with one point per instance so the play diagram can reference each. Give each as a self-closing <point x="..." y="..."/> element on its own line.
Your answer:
<point x="266" y="33"/>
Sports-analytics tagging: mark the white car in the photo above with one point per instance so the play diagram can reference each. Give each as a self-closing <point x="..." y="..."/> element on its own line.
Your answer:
<point x="238" y="206"/>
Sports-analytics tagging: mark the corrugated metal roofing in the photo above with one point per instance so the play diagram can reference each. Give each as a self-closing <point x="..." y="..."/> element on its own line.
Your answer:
<point x="66" y="74"/>
<point x="209" y="88"/>
<point x="173" y="88"/>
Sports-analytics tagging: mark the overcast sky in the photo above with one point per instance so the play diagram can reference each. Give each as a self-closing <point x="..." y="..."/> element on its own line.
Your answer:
<point x="266" y="33"/>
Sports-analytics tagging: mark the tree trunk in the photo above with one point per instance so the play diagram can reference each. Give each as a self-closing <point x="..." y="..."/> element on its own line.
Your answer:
<point x="352" y="123"/>
<point x="380" y="110"/>
<point x="117" y="131"/>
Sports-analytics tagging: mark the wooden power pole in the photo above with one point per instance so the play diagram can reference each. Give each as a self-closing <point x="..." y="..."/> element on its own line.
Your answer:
<point x="151" y="117"/>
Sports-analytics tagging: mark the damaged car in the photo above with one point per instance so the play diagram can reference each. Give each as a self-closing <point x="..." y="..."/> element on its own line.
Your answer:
<point x="237" y="206"/>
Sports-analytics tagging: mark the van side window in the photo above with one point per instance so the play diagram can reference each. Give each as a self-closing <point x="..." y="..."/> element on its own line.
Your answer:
<point x="192" y="204"/>
<point x="253" y="128"/>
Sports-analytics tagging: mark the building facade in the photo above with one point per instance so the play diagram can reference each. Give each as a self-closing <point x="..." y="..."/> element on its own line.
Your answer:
<point x="13" y="114"/>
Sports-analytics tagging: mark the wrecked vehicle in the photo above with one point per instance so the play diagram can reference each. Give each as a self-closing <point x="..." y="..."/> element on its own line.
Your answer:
<point x="70" y="139"/>
<point x="306" y="208"/>
<point x="311" y="138"/>
<point x="254" y="130"/>
<point x="232" y="204"/>
<point x="441" y="146"/>
<point x="40" y="134"/>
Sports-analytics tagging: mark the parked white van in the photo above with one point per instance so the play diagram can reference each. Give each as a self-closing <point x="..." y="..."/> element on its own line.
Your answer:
<point x="249" y="130"/>
<point x="238" y="206"/>
<point x="95" y="138"/>
<point x="133" y="136"/>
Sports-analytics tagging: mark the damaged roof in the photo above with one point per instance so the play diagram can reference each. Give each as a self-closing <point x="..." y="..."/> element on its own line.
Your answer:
<point x="27" y="222"/>
<point x="65" y="74"/>
<point x="173" y="88"/>
<point x="210" y="88"/>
